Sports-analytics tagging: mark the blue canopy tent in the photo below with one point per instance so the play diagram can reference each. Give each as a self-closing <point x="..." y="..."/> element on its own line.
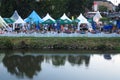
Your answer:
<point x="34" y="18"/>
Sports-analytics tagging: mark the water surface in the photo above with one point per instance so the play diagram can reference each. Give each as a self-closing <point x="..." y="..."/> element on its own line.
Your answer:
<point x="59" y="66"/>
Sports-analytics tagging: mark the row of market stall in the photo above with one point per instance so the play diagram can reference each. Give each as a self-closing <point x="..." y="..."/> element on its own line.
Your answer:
<point x="34" y="18"/>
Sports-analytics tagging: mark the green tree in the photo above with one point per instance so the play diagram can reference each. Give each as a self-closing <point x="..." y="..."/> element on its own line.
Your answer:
<point x="56" y="8"/>
<point x="118" y="8"/>
<point x="103" y="8"/>
<point x="79" y="6"/>
<point x="7" y="7"/>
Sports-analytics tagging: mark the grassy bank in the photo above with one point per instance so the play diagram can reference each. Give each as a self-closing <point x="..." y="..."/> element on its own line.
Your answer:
<point x="73" y="43"/>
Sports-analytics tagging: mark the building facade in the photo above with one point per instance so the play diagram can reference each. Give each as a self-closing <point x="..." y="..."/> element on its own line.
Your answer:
<point x="110" y="6"/>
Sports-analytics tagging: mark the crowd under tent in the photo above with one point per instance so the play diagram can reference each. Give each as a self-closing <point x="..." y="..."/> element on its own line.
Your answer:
<point x="19" y="21"/>
<point x="15" y="16"/>
<point x="33" y="18"/>
<point x="83" y="20"/>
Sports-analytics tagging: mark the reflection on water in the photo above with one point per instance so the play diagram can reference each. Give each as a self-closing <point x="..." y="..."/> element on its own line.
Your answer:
<point x="31" y="66"/>
<point x="23" y="65"/>
<point x="107" y="56"/>
<point x="80" y="59"/>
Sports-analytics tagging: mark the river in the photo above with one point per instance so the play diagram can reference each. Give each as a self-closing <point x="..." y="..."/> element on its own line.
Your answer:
<point x="59" y="66"/>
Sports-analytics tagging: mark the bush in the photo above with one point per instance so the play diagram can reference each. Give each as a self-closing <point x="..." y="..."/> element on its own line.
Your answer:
<point x="101" y="47"/>
<point x="59" y="43"/>
<point x="6" y="44"/>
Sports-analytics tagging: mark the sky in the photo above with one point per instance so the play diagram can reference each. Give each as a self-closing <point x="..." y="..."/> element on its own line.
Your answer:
<point x="116" y="2"/>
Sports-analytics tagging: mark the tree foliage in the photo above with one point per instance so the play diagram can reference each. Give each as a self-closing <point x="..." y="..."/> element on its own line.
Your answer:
<point x="103" y="9"/>
<point x="118" y="8"/>
<point x="55" y="7"/>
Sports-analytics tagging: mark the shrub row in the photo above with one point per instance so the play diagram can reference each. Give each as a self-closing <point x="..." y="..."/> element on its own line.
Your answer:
<point x="75" y="43"/>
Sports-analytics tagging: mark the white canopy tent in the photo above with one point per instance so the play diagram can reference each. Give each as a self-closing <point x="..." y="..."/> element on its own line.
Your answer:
<point x="19" y="21"/>
<point x="15" y="16"/>
<point x="48" y="17"/>
<point x="83" y="20"/>
<point x="3" y="23"/>
<point x="97" y="17"/>
<point x="65" y="17"/>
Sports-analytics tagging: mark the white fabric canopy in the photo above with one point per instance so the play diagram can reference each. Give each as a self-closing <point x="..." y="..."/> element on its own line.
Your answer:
<point x="82" y="19"/>
<point x="15" y="16"/>
<point x="48" y="17"/>
<point x="65" y="17"/>
<point x="2" y="22"/>
<point x="97" y="17"/>
<point x="20" y="21"/>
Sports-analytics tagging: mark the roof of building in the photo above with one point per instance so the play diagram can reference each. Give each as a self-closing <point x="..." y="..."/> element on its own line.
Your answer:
<point x="105" y="1"/>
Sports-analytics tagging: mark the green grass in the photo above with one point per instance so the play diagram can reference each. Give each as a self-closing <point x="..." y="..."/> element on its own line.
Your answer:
<point x="67" y="43"/>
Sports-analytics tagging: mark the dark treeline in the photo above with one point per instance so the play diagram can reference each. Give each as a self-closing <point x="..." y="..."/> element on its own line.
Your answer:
<point x="55" y="7"/>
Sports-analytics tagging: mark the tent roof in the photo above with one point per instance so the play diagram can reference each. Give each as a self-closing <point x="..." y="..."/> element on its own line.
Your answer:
<point x="48" y="17"/>
<point x="33" y="18"/>
<point x="2" y="22"/>
<point x="82" y="19"/>
<point x="65" y="21"/>
<point x="65" y="17"/>
<point x="97" y="16"/>
<point x="49" y="21"/>
<point x="15" y="15"/>
<point x="8" y="20"/>
<point x="20" y="21"/>
<point x="76" y="20"/>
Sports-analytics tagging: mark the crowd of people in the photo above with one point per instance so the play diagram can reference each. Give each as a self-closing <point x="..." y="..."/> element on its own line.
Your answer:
<point x="83" y="28"/>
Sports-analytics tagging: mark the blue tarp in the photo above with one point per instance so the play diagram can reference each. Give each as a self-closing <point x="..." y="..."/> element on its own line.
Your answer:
<point x="58" y="25"/>
<point x="93" y="25"/>
<point x="33" y="18"/>
<point x="118" y="24"/>
<point x="108" y="27"/>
